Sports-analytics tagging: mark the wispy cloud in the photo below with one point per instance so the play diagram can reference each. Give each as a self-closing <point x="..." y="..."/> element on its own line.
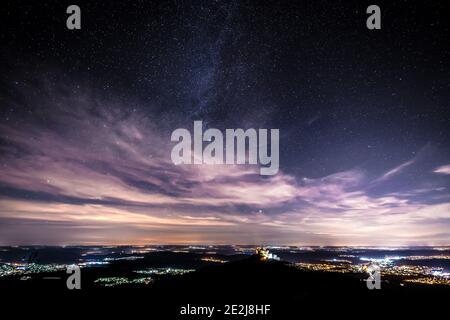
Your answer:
<point x="394" y="171"/>
<point x="443" y="169"/>
<point x="96" y="172"/>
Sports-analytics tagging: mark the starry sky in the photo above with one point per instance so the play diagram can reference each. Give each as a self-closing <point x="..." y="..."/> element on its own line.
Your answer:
<point x="86" y="117"/>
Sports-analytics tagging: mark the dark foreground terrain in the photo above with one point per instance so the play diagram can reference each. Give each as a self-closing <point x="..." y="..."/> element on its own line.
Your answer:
<point x="290" y="292"/>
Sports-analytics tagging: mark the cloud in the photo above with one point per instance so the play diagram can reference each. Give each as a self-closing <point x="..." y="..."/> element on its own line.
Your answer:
<point x="86" y="170"/>
<point x="443" y="169"/>
<point x="395" y="171"/>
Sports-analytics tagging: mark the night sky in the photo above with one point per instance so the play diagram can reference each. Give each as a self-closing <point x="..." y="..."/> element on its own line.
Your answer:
<point x="86" y="117"/>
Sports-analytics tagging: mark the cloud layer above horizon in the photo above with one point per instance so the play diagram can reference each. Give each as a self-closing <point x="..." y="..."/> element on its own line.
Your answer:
<point x="84" y="170"/>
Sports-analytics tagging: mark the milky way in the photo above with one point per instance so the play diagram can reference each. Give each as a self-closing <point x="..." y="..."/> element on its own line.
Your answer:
<point x="86" y="118"/>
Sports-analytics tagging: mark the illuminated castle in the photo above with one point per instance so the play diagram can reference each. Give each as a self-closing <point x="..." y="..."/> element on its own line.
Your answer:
<point x="264" y="254"/>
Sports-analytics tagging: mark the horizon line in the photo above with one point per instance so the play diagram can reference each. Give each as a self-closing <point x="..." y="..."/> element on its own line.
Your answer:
<point x="222" y="245"/>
